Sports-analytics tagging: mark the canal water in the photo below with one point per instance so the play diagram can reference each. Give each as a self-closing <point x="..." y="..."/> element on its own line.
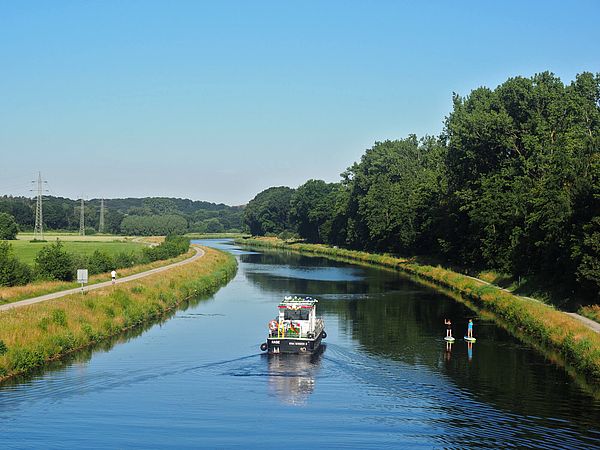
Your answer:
<point x="385" y="378"/>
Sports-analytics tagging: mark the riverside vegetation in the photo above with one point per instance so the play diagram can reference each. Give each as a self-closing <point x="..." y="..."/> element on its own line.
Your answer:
<point x="33" y="335"/>
<point x="53" y="262"/>
<point x="511" y="185"/>
<point x="542" y="324"/>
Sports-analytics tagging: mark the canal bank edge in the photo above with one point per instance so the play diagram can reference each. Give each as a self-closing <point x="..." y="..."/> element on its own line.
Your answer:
<point x="556" y="330"/>
<point x="33" y="335"/>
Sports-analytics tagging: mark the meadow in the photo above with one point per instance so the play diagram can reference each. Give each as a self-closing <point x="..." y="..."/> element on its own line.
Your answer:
<point x="26" y="250"/>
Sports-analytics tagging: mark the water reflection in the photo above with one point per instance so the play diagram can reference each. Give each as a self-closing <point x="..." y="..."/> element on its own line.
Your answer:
<point x="292" y="377"/>
<point x="392" y="319"/>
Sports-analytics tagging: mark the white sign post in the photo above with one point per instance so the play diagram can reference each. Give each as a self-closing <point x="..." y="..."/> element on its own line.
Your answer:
<point x="82" y="277"/>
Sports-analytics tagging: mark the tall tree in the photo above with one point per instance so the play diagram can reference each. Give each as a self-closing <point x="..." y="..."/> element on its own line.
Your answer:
<point x="312" y="210"/>
<point x="269" y="211"/>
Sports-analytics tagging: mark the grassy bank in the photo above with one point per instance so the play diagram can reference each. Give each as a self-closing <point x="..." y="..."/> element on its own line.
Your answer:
<point x="547" y="327"/>
<point x="33" y="335"/>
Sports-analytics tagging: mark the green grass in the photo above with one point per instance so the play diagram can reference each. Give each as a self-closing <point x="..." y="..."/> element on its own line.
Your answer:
<point x="26" y="251"/>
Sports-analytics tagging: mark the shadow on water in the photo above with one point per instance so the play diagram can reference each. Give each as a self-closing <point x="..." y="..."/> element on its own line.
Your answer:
<point x="393" y="318"/>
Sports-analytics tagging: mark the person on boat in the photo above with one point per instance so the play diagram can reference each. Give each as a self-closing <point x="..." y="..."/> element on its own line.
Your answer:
<point x="470" y="329"/>
<point x="448" y="324"/>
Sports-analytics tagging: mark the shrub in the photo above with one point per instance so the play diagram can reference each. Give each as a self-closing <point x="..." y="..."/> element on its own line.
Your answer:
<point x="124" y="259"/>
<point x="100" y="262"/>
<point x="172" y="246"/>
<point x="12" y="271"/>
<point x="54" y="263"/>
<point x="3" y="347"/>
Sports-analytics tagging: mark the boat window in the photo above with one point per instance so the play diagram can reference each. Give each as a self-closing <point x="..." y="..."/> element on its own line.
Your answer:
<point x="296" y="314"/>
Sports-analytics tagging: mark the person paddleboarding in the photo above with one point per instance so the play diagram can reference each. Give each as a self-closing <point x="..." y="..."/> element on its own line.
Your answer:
<point x="448" y="324"/>
<point x="469" y="335"/>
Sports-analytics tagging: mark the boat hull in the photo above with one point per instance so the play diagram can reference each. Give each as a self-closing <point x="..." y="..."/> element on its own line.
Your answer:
<point x="293" y="345"/>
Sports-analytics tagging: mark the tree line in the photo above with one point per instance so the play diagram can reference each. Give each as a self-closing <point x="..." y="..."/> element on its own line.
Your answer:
<point x="134" y="216"/>
<point x="511" y="184"/>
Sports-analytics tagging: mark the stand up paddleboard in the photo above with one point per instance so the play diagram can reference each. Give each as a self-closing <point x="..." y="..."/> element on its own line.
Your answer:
<point x="449" y="339"/>
<point x="468" y="339"/>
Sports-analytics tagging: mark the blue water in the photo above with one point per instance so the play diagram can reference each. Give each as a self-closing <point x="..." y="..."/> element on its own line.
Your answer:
<point x="385" y="379"/>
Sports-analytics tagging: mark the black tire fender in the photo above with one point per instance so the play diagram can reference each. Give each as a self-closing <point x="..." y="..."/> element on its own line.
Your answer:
<point x="264" y="346"/>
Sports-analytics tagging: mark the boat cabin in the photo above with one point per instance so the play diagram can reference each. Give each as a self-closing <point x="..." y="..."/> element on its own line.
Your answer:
<point x="297" y="317"/>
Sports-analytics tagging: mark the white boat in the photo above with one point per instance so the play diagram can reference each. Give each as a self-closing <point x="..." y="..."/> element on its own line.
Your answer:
<point x="296" y="329"/>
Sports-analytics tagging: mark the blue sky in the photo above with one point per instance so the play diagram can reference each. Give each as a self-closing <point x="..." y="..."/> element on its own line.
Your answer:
<point x="219" y="100"/>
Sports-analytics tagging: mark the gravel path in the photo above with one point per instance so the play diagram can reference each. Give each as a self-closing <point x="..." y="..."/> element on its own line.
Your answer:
<point x="595" y="326"/>
<point x="199" y="254"/>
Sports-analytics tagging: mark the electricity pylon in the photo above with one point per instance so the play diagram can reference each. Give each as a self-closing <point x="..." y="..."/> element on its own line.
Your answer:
<point x="82" y="219"/>
<point x="38" y="230"/>
<point x="101" y="222"/>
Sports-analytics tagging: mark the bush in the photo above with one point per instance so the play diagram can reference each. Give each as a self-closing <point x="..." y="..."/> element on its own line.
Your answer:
<point x="8" y="227"/>
<point x="12" y="271"/>
<point x="173" y="245"/>
<point x="100" y="262"/>
<point x="123" y="259"/>
<point x="54" y="263"/>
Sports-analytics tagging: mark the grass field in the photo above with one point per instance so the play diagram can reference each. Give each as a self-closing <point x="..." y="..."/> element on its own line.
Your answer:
<point x="26" y="251"/>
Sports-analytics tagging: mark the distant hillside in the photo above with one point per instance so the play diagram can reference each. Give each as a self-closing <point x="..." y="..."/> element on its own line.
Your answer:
<point x="150" y="215"/>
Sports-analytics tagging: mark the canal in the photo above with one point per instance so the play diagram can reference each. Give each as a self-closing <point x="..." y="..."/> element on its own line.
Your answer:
<point x="385" y="378"/>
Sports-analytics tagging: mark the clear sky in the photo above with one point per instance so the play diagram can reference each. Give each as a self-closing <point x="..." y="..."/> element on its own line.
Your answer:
<point x="219" y="100"/>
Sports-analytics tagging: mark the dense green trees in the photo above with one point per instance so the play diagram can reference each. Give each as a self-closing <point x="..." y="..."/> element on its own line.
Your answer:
<point x="512" y="184"/>
<point x="522" y="163"/>
<point x="394" y="193"/>
<point x="269" y="211"/>
<point x="8" y="227"/>
<point x="154" y="225"/>
<point x="63" y="213"/>
<point x="312" y="209"/>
